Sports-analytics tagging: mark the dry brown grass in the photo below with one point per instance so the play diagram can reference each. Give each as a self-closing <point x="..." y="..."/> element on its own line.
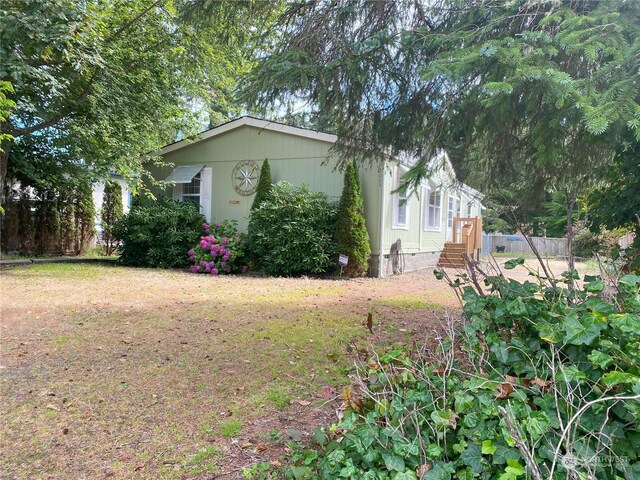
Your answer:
<point x="130" y="373"/>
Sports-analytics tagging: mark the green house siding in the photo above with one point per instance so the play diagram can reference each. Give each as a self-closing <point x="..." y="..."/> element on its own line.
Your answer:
<point x="301" y="156"/>
<point x="297" y="160"/>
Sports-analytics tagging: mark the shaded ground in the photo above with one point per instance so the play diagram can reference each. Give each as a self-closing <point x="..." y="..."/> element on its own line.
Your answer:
<point x="129" y="373"/>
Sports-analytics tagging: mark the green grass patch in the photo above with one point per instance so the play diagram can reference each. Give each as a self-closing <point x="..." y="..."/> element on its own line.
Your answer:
<point x="408" y="302"/>
<point x="230" y="428"/>
<point x="203" y="461"/>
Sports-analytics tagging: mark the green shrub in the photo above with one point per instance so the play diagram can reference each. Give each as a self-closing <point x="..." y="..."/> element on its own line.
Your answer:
<point x="549" y="388"/>
<point x="352" y="237"/>
<point x="291" y="233"/>
<point x="264" y="185"/>
<point x="158" y="234"/>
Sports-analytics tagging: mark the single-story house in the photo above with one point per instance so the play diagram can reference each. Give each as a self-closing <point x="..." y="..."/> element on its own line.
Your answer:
<point x="219" y="169"/>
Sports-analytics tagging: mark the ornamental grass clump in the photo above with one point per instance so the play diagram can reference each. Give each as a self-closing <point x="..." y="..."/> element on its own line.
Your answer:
<point x="220" y="250"/>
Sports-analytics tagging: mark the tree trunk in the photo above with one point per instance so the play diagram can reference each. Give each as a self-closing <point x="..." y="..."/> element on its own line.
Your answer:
<point x="5" y="148"/>
<point x="570" y="202"/>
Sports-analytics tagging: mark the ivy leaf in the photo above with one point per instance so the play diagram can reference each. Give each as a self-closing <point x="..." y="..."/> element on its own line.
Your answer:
<point x="627" y="322"/>
<point x="597" y="305"/>
<point x="600" y="359"/>
<point x="488" y="448"/>
<point x="437" y="473"/>
<point x="444" y="418"/>
<point x="516" y="307"/>
<point x="594" y="287"/>
<point x="393" y="462"/>
<point x="318" y="436"/>
<point x="300" y="473"/>
<point x="501" y="351"/>
<point x="503" y="454"/>
<point x="408" y="475"/>
<point x="511" y="264"/>
<point x="614" y="378"/>
<point x="472" y="457"/>
<point x="582" y="332"/>
<point x="630" y="280"/>
<point x="513" y="470"/>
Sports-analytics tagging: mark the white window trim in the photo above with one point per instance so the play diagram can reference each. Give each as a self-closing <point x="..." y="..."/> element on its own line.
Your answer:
<point x="399" y="172"/>
<point x="455" y="197"/>
<point x="427" y="228"/>
<point x="205" y="192"/>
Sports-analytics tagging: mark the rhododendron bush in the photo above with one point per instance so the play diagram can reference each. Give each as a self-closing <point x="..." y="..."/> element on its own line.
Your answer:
<point x="220" y="250"/>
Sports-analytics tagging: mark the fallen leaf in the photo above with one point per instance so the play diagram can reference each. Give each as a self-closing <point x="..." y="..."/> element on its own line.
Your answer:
<point x="511" y="379"/>
<point x="303" y="403"/>
<point x="438" y="371"/>
<point x="504" y="390"/>
<point x="275" y="463"/>
<point x="261" y="447"/>
<point x="422" y="469"/>
<point x="540" y="383"/>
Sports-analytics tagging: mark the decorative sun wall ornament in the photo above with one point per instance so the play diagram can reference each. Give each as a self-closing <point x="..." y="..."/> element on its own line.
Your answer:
<point x="245" y="177"/>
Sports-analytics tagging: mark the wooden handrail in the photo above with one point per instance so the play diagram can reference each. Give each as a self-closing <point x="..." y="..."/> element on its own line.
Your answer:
<point x="471" y="234"/>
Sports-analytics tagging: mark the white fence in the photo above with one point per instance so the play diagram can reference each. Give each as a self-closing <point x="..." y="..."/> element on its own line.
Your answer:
<point x="547" y="247"/>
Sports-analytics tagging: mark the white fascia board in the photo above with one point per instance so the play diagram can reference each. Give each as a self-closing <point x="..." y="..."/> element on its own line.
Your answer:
<point x="250" y="121"/>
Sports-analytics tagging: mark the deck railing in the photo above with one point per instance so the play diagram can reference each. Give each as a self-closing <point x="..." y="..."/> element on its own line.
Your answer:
<point x="468" y="232"/>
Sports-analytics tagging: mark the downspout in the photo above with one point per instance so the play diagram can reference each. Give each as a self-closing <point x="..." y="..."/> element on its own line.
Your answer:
<point x="382" y="207"/>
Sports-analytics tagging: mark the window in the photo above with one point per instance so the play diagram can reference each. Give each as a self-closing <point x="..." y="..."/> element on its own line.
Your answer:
<point x="434" y="210"/>
<point x="400" y="203"/>
<point x="191" y="191"/>
<point x="450" y="209"/>
<point x="469" y="209"/>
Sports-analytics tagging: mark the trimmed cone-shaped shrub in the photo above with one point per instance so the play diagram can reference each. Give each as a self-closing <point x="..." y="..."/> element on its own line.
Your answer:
<point x="352" y="236"/>
<point x="264" y="185"/>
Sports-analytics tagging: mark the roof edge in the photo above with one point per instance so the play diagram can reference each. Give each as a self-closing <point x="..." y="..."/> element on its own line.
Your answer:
<point x="249" y="121"/>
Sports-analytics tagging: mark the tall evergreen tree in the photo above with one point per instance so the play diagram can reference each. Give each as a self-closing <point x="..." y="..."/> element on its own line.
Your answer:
<point x="352" y="236"/>
<point x="264" y="185"/>
<point x="533" y="96"/>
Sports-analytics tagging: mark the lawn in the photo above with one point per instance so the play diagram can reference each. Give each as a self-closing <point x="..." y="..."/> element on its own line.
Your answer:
<point x="110" y="372"/>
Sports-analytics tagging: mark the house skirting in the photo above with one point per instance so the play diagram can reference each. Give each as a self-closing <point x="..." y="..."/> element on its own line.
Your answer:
<point x="402" y="263"/>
